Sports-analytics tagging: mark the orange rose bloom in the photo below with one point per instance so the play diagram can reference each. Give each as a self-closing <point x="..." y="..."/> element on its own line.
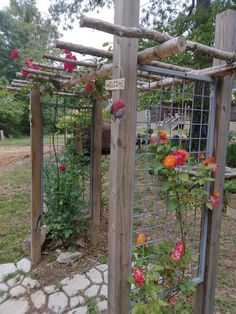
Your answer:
<point x="140" y="238"/>
<point x="216" y="194"/>
<point x="163" y="137"/>
<point x="169" y="161"/>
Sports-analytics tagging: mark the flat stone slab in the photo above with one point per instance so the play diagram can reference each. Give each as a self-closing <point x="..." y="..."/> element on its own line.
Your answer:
<point x="57" y="302"/>
<point x="92" y="291"/>
<point x="15" y="281"/>
<point x="17" y="291"/>
<point x="3" y="287"/>
<point x="24" y="265"/>
<point x="30" y="283"/>
<point x="95" y="276"/>
<point x="75" y="301"/>
<point x="50" y="289"/>
<point x="102" y="267"/>
<point x="6" y="269"/>
<point x="72" y="286"/>
<point x="14" y="306"/>
<point x="68" y="257"/>
<point x="79" y="310"/>
<point x="102" y="305"/>
<point x="105" y="276"/>
<point x="104" y="291"/>
<point x="38" y="298"/>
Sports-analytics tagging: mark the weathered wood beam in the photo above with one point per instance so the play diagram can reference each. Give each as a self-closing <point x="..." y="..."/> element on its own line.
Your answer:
<point x="13" y="84"/>
<point x="167" y="49"/>
<point x="169" y="66"/>
<point x="224" y="38"/>
<point x="21" y="81"/>
<point x="47" y="74"/>
<point x="136" y="32"/>
<point x="84" y="50"/>
<point x="51" y="67"/>
<point x="104" y="71"/>
<point x="36" y="170"/>
<point x="216" y="71"/>
<point x="123" y="135"/>
<point x="123" y="31"/>
<point x="16" y="89"/>
<point x="60" y="59"/>
<point x="149" y="75"/>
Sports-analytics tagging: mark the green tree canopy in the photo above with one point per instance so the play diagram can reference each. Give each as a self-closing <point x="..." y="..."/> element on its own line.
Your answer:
<point x="22" y="26"/>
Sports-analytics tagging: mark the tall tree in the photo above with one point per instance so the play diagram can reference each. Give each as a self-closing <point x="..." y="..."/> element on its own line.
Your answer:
<point x="22" y="26"/>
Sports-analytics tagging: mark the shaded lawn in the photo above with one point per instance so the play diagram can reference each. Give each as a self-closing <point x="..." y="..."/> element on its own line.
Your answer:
<point x="14" y="211"/>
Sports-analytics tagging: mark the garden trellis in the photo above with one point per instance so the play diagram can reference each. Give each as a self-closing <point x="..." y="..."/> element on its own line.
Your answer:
<point x="213" y="125"/>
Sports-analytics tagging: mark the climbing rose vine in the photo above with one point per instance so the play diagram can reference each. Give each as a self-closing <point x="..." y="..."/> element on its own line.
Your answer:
<point x="163" y="285"/>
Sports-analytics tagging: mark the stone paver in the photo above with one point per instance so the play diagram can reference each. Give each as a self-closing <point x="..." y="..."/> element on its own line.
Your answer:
<point x="3" y="287"/>
<point x="102" y="267"/>
<point x="6" y="269"/>
<point x="38" y="298"/>
<point x="72" y="286"/>
<point x="105" y="275"/>
<point x="24" y="265"/>
<point x="75" y="301"/>
<point x="15" y="281"/>
<point x="19" y="306"/>
<point x="30" y="283"/>
<point x="104" y="291"/>
<point x="79" y="310"/>
<point x="22" y="294"/>
<point x="102" y="305"/>
<point x="92" y="291"/>
<point x="50" y="289"/>
<point x="95" y="276"/>
<point x="17" y="291"/>
<point x="57" y="302"/>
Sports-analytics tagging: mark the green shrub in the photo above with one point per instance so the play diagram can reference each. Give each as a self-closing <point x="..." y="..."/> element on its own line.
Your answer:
<point x="64" y="189"/>
<point x="231" y="153"/>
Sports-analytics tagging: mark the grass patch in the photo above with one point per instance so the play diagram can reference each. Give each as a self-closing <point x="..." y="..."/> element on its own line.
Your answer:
<point x="226" y="305"/>
<point x="91" y="306"/>
<point x="25" y="141"/>
<point x="14" y="213"/>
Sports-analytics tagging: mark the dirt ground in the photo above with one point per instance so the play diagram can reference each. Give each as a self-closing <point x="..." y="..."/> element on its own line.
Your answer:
<point x="47" y="272"/>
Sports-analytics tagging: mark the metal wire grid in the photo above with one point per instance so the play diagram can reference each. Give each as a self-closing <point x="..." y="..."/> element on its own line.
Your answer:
<point x="186" y="112"/>
<point x="55" y="139"/>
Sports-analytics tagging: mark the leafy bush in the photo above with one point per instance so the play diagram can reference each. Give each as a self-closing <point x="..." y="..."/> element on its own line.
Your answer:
<point x="64" y="180"/>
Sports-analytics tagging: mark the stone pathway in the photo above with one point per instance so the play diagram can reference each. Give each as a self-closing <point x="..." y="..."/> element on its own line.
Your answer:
<point x="20" y="294"/>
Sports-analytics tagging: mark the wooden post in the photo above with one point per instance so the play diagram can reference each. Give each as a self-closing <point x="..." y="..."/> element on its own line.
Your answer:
<point x="224" y="39"/>
<point x="36" y="168"/>
<point x="95" y="182"/>
<point x="123" y="133"/>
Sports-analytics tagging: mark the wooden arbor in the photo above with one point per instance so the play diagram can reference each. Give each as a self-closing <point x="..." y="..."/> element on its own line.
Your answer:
<point x="123" y="134"/>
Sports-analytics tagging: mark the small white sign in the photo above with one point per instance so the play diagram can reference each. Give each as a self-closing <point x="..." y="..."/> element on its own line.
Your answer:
<point x="115" y="84"/>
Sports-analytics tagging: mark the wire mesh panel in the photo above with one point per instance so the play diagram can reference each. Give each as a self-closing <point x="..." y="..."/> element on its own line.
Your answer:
<point x="178" y="115"/>
<point x="66" y="168"/>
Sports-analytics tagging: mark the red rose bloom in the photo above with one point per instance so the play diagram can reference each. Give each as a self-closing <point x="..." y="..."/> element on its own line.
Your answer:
<point x="138" y="276"/>
<point x="68" y="67"/>
<point x="178" y="251"/>
<point x="62" y="168"/>
<point x="215" y="200"/>
<point x="172" y="300"/>
<point x="180" y="155"/>
<point x="15" y="54"/>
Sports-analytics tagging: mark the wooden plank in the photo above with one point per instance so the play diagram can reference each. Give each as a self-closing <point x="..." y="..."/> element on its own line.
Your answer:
<point x="138" y="32"/>
<point x="96" y="184"/>
<point x="122" y="162"/>
<point x="36" y="168"/>
<point x="224" y="39"/>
